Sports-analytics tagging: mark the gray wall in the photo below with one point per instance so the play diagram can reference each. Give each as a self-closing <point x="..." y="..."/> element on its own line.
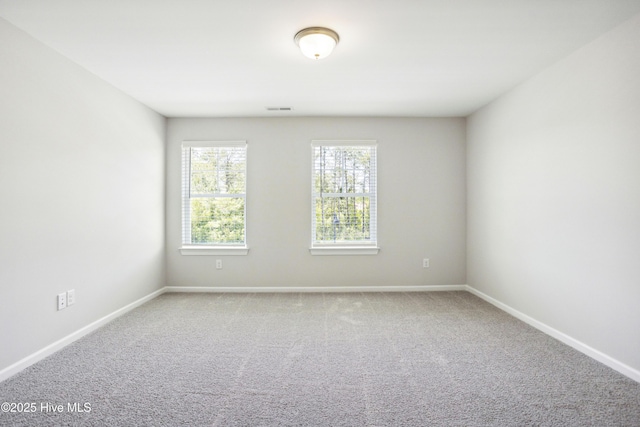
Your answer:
<point x="421" y="203"/>
<point x="553" y="183"/>
<point x="81" y="196"/>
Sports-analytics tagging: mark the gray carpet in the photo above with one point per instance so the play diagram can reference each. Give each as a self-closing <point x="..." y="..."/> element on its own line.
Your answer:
<point x="353" y="359"/>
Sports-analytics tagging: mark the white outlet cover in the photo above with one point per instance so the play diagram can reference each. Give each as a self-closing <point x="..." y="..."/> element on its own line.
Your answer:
<point x="71" y="297"/>
<point x="62" y="301"/>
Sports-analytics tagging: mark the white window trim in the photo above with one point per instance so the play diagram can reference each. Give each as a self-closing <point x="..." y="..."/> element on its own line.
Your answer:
<point x="342" y="248"/>
<point x="214" y="250"/>
<point x="211" y="250"/>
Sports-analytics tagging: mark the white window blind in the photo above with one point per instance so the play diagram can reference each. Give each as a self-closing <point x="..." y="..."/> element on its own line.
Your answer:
<point x="344" y="203"/>
<point x="214" y="193"/>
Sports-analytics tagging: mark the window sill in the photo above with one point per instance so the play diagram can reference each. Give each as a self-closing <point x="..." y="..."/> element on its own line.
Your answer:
<point x="214" y="250"/>
<point x="344" y="250"/>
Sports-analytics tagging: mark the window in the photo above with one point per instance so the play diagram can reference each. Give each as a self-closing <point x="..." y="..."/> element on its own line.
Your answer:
<point x="214" y="198"/>
<point x="343" y="220"/>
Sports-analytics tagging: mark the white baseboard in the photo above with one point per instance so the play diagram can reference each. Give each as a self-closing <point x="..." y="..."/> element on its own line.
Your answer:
<point x="258" y="289"/>
<point x="562" y="337"/>
<point x="52" y="348"/>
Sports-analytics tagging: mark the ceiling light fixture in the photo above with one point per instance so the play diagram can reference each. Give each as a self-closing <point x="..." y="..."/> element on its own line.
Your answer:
<point x="316" y="42"/>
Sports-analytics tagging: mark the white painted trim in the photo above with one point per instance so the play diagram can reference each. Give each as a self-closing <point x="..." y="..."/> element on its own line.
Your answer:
<point x="344" y="250"/>
<point x="189" y="144"/>
<point x="257" y="289"/>
<point x="345" y="142"/>
<point x="560" y="336"/>
<point x="63" y="342"/>
<point x="214" y="250"/>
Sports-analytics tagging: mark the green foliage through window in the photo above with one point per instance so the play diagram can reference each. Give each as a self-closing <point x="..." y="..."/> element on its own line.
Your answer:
<point x="217" y="220"/>
<point x="344" y="194"/>
<point x="214" y="205"/>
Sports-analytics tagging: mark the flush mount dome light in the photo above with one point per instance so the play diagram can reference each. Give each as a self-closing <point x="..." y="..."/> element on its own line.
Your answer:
<point x="316" y="42"/>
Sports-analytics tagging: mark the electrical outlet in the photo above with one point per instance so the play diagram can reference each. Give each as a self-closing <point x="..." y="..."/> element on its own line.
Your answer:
<point x="425" y="263"/>
<point x="71" y="297"/>
<point x="62" y="301"/>
<point x="219" y="264"/>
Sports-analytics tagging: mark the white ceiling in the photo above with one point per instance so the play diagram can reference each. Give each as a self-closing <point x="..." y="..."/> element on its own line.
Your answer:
<point x="214" y="58"/>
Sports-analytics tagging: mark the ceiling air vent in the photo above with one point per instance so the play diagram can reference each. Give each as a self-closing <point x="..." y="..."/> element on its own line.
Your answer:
<point x="279" y="108"/>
